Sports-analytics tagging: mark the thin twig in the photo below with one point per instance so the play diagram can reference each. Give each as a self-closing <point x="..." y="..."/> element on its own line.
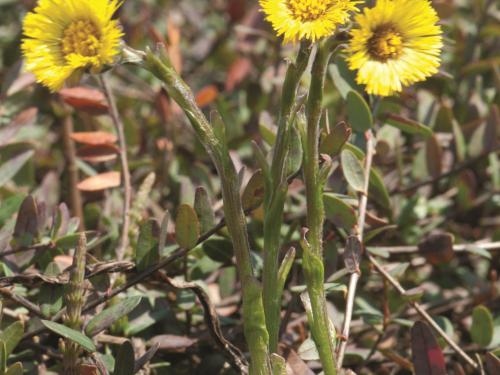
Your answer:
<point x="466" y="164"/>
<point x="37" y="247"/>
<point x="421" y="311"/>
<point x="127" y="184"/>
<point x="354" y="278"/>
<point x="70" y="154"/>
<point x="457" y="248"/>
<point x="148" y="272"/>
<point x="212" y="320"/>
<point x="23" y="302"/>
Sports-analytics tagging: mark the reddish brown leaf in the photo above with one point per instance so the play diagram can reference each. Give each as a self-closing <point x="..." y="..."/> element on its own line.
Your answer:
<point x="174" y="40"/>
<point x="207" y="95"/>
<point x="99" y="153"/>
<point x="100" y="182"/>
<point x="238" y="71"/>
<point x="172" y="343"/>
<point x="427" y="356"/>
<point x="492" y="364"/>
<point x="296" y="366"/>
<point x="236" y="9"/>
<point x="163" y="105"/>
<point x="26" y="117"/>
<point x="86" y="369"/>
<point x="20" y="83"/>
<point x="434" y="157"/>
<point x="437" y="248"/>
<point x="94" y="138"/>
<point x="85" y="99"/>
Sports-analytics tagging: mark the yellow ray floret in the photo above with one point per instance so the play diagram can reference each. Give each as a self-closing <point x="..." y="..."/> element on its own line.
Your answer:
<point x="395" y="44"/>
<point x="307" y="19"/>
<point x="63" y="38"/>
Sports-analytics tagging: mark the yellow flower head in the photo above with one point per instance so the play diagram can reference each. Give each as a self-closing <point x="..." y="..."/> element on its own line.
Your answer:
<point x="307" y="19"/>
<point x="63" y="38"/>
<point x="395" y="44"/>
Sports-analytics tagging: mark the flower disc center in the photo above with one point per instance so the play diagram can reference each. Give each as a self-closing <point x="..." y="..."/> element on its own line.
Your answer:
<point x="386" y="43"/>
<point x="308" y="10"/>
<point x="81" y="37"/>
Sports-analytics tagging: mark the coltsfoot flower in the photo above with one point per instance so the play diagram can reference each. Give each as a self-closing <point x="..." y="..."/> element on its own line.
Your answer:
<point x="395" y="44"/>
<point x="64" y="38"/>
<point x="307" y="19"/>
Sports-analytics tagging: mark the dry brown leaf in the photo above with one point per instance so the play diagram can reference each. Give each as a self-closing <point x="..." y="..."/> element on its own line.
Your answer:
<point x="207" y="95"/>
<point x="85" y="99"/>
<point x="94" y="138"/>
<point x="98" y="153"/>
<point x="100" y="182"/>
<point x="238" y="71"/>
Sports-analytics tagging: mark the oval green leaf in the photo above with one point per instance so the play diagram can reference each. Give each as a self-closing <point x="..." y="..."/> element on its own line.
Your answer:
<point x="358" y="112"/>
<point x="70" y="334"/>
<point x="482" y="327"/>
<point x="353" y="170"/>
<point x="109" y="316"/>
<point x="187" y="227"/>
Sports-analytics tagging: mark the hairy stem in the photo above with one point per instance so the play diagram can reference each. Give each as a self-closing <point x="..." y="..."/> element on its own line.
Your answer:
<point x="275" y="198"/>
<point x="313" y="251"/>
<point x="253" y="309"/>
<point x="74" y="299"/>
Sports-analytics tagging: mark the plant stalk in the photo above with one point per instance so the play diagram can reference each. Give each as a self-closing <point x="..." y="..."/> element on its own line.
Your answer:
<point x="253" y="309"/>
<point x="314" y="183"/>
<point x="275" y="198"/>
<point x="127" y="183"/>
<point x="74" y="299"/>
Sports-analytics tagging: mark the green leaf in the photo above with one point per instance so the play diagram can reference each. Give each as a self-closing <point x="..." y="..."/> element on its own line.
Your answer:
<point x="358" y="112"/>
<point x="10" y="168"/>
<point x="343" y="77"/>
<point x="146" y="252"/>
<point x="186" y="299"/>
<point x="15" y="369"/>
<point x="3" y="357"/>
<point x="187" y="227"/>
<point x="70" y="241"/>
<point x="484" y="137"/>
<point x="203" y="209"/>
<point x="12" y="335"/>
<point x="125" y="360"/>
<point x="460" y="145"/>
<point x="339" y="212"/>
<point x="26" y="229"/>
<point x="408" y="126"/>
<point x="433" y="157"/>
<point x="295" y="153"/>
<point x="378" y="190"/>
<point x="70" y="334"/>
<point x="375" y="232"/>
<point x="478" y="250"/>
<point x="253" y="195"/>
<point x="50" y="297"/>
<point x="481" y="330"/>
<point x="353" y="170"/>
<point x="218" y="249"/>
<point x="333" y="142"/>
<point x="109" y="316"/>
<point x="10" y="206"/>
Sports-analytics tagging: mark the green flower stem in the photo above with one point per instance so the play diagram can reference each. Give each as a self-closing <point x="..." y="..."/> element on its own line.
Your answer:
<point x="275" y="198"/>
<point x="314" y="182"/>
<point x="253" y="309"/>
